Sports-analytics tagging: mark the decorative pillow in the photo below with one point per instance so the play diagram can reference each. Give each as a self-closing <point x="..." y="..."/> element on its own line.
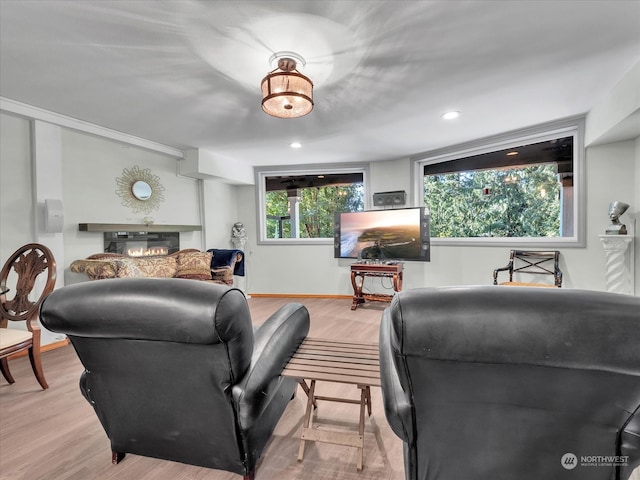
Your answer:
<point x="223" y="275"/>
<point x="94" y="269"/>
<point x="126" y="268"/>
<point x="194" y="265"/>
<point x="185" y="250"/>
<point x="160" y="267"/>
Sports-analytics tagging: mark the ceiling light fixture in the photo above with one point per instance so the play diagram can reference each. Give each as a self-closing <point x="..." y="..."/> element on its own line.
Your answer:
<point x="450" y="115"/>
<point x="295" y="145"/>
<point x="286" y="93"/>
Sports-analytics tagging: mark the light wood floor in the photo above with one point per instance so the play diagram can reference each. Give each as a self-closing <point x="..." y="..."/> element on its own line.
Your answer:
<point x="54" y="434"/>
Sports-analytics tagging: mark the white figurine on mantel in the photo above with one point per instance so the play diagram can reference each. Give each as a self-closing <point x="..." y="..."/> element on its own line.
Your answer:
<point x="238" y="236"/>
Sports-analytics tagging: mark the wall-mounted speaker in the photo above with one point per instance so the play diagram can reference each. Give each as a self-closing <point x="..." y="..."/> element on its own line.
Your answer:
<point x="53" y="216"/>
<point x="390" y="199"/>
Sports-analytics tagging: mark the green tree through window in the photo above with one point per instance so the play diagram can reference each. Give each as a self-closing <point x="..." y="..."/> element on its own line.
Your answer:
<point x="317" y="208"/>
<point x="503" y="202"/>
<point x="527" y="187"/>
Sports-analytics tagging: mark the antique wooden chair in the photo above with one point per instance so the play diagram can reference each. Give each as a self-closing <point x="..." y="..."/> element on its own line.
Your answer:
<point x="20" y="301"/>
<point x="533" y="263"/>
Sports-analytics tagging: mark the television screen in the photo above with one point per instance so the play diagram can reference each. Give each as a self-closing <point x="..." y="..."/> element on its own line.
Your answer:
<point x="398" y="234"/>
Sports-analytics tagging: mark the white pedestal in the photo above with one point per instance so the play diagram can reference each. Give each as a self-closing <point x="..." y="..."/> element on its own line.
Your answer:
<point x="239" y="243"/>
<point x="241" y="282"/>
<point x="618" y="278"/>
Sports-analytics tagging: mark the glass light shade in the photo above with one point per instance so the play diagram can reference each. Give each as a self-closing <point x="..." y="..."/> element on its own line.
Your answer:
<point x="287" y="94"/>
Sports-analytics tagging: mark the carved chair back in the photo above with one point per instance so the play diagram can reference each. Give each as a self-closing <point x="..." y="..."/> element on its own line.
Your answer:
<point x="23" y="293"/>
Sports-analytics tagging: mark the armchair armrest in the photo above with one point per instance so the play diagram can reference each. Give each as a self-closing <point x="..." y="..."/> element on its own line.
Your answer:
<point x="507" y="268"/>
<point x="557" y="277"/>
<point x="397" y="407"/>
<point x="275" y="341"/>
<point x="630" y="443"/>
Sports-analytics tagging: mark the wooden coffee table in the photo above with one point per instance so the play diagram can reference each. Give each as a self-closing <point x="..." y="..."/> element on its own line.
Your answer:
<point x="319" y="359"/>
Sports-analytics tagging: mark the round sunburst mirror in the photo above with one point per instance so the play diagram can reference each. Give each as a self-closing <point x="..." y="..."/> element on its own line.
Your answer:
<point x="140" y="190"/>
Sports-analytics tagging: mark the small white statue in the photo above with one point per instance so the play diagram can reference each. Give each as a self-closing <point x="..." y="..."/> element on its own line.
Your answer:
<point x="238" y="236"/>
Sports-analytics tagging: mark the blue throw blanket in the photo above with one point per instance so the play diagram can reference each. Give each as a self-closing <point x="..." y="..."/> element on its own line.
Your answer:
<point x="223" y="258"/>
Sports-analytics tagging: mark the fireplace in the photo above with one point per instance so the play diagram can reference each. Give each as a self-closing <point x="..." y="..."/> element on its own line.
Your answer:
<point x="142" y="244"/>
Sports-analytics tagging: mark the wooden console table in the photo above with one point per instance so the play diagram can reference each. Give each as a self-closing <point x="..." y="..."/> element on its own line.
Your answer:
<point x="361" y="270"/>
<point x="355" y="363"/>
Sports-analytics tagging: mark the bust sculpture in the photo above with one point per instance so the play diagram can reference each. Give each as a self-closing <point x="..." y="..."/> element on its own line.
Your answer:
<point x="615" y="210"/>
<point x="238" y="235"/>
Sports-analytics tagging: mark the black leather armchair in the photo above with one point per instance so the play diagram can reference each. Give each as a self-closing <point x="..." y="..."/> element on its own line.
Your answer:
<point x="501" y="384"/>
<point x="174" y="370"/>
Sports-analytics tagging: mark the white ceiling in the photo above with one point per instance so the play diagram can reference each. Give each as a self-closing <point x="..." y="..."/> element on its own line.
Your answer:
<point x="187" y="73"/>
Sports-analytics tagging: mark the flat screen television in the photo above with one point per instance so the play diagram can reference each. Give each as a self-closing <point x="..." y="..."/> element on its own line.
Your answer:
<point x="383" y="235"/>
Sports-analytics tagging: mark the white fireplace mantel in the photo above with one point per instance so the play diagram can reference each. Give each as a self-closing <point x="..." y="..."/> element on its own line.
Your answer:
<point x="130" y="227"/>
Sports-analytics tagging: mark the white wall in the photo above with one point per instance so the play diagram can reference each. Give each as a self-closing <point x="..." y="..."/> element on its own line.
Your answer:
<point x="40" y="160"/>
<point x="385" y="178"/>
<point x="637" y="216"/>
<point x="91" y="165"/>
<point x="17" y="226"/>
<point x="29" y="174"/>
<point x="221" y="212"/>
<point x="285" y="269"/>
<point x="637" y="176"/>
<point x="615" y="119"/>
<point x="311" y="269"/>
<point x="612" y="170"/>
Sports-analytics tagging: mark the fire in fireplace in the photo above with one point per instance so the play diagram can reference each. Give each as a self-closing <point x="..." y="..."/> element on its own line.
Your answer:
<point x="147" y="252"/>
<point x="139" y="244"/>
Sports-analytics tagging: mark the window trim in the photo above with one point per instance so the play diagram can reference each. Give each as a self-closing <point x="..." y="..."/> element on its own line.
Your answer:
<point x="568" y="127"/>
<point x="283" y="170"/>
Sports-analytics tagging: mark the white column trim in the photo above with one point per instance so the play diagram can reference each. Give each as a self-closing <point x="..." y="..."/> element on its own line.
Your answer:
<point x="618" y="274"/>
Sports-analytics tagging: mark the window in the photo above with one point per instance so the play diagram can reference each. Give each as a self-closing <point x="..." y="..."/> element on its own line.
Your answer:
<point x="299" y="205"/>
<point x="518" y="191"/>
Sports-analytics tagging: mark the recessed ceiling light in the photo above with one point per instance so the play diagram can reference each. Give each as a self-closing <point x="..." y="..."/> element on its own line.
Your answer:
<point x="450" y="115"/>
<point x="295" y="145"/>
<point x="512" y="153"/>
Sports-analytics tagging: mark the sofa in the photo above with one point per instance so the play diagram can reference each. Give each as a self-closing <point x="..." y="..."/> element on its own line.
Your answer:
<point x="187" y="264"/>
<point x="174" y="369"/>
<point x="498" y="383"/>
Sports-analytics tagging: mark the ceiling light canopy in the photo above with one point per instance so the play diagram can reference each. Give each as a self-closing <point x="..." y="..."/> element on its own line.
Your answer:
<point x="286" y="93"/>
